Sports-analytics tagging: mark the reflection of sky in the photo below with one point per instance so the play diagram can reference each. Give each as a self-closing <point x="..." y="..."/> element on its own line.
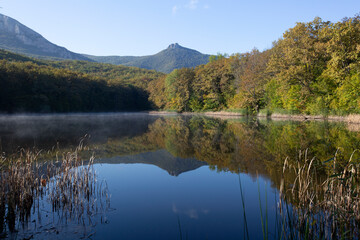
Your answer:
<point x="151" y="204"/>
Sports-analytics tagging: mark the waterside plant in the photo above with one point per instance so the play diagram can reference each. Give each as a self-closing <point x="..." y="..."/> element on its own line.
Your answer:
<point x="314" y="206"/>
<point x="68" y="185"/>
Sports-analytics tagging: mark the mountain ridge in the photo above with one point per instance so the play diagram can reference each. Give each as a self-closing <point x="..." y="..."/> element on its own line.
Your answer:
<point x="18" y="38"/>
<point x="173" y="57"/>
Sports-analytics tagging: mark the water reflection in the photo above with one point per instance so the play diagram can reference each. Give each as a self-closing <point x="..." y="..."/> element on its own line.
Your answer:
<point x="201" y="204"/>
<point x="237" y="145"/>
<point x="198" y="202"/>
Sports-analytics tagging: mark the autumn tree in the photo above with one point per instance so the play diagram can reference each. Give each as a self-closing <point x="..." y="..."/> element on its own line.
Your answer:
<point x="250" y="79"/>
<point x="178" y="89"/>
<point x="213" y="85"/>
<point x="298" y="60"/>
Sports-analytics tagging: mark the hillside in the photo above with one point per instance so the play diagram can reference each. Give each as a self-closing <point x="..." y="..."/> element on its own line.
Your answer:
<point x="174" y="57"/>
<point x="112" y="74"/>
<point x="33" y="85"/>
<point x="18" y="38"/>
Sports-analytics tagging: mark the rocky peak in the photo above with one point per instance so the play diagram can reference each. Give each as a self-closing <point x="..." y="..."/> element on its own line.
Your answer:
<point x="174" y="46"/>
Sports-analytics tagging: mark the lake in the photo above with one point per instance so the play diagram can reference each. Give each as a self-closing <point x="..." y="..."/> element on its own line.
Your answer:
<point x="175" y="177"/>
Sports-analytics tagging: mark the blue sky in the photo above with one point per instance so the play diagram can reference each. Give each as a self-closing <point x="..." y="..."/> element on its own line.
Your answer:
<point x="144" y="27"/>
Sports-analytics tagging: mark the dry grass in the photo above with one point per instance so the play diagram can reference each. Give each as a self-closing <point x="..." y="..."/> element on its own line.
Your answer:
<point x="353" y="127"/>
<point x="353" y="118"/>
<point x="69" y="185"/>
<point x="323" y="207"/>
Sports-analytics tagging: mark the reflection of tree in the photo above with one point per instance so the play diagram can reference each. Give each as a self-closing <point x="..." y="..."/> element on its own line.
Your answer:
<point x="245" y="145"/>
<point x="249" y="145"/>
<point x="212" y="143"/>
<point x="178" y="137"/>
<point x="321" y="139"/>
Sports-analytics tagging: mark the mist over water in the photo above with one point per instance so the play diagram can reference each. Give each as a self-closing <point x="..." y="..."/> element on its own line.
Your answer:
<point x="45" y="132"/>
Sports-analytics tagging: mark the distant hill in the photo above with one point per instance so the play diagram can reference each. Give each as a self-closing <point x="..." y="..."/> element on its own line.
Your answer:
<point x="18" y="38"/>
<point x="174" y="57"/>
<point x="112" y="74"/>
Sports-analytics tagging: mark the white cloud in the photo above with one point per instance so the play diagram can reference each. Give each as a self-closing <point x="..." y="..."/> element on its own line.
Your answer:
<point x="192" y="4"/>
<point x="175" y="9"/>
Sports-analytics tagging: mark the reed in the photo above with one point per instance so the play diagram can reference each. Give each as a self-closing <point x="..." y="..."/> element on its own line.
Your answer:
<point x="314" y="206"/>
<point x="68" y="184"/>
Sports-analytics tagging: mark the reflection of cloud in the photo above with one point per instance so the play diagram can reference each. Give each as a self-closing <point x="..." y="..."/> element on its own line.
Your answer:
<point x="175" y="9"/>
<point x="205" y="211"/>
<point x="192" y="213"/>
<point x="174" y="208"/>
<point x="192" y="4"/>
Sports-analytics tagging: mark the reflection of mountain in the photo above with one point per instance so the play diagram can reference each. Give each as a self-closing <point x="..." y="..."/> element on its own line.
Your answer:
<point x="161" y="158"/>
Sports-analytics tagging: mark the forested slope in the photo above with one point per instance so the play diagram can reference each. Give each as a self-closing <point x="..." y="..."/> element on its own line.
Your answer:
<point x="314" y="69"/>
<point x="31" y="85"/>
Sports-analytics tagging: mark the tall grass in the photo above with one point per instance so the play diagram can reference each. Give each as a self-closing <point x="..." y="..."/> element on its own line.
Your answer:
<point x="68" y="184"/>
<point x="317" y="200"/>
<point x="314" y="206"/>
<point x="245" y="226"/>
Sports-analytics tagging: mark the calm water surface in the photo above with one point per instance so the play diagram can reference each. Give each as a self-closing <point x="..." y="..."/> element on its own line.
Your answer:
<point x="176" y="177"/>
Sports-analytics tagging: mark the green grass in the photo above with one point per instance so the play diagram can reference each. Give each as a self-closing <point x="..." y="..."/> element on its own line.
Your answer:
<point x="284" y="111"/>
<point x="265" y="112"/>
<point x="242" y="111"/>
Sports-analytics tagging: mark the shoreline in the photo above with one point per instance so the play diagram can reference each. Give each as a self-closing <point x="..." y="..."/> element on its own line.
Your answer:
<point x="351" y="118"/>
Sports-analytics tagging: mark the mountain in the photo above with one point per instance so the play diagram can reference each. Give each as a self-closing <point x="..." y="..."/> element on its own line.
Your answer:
<point x="174" y="57"/>
<point x="18" y="38"/>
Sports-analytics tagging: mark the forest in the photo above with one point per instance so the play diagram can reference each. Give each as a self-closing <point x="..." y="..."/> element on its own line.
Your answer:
<point x="30" y="85"/>
<point x="314" y="68"/>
